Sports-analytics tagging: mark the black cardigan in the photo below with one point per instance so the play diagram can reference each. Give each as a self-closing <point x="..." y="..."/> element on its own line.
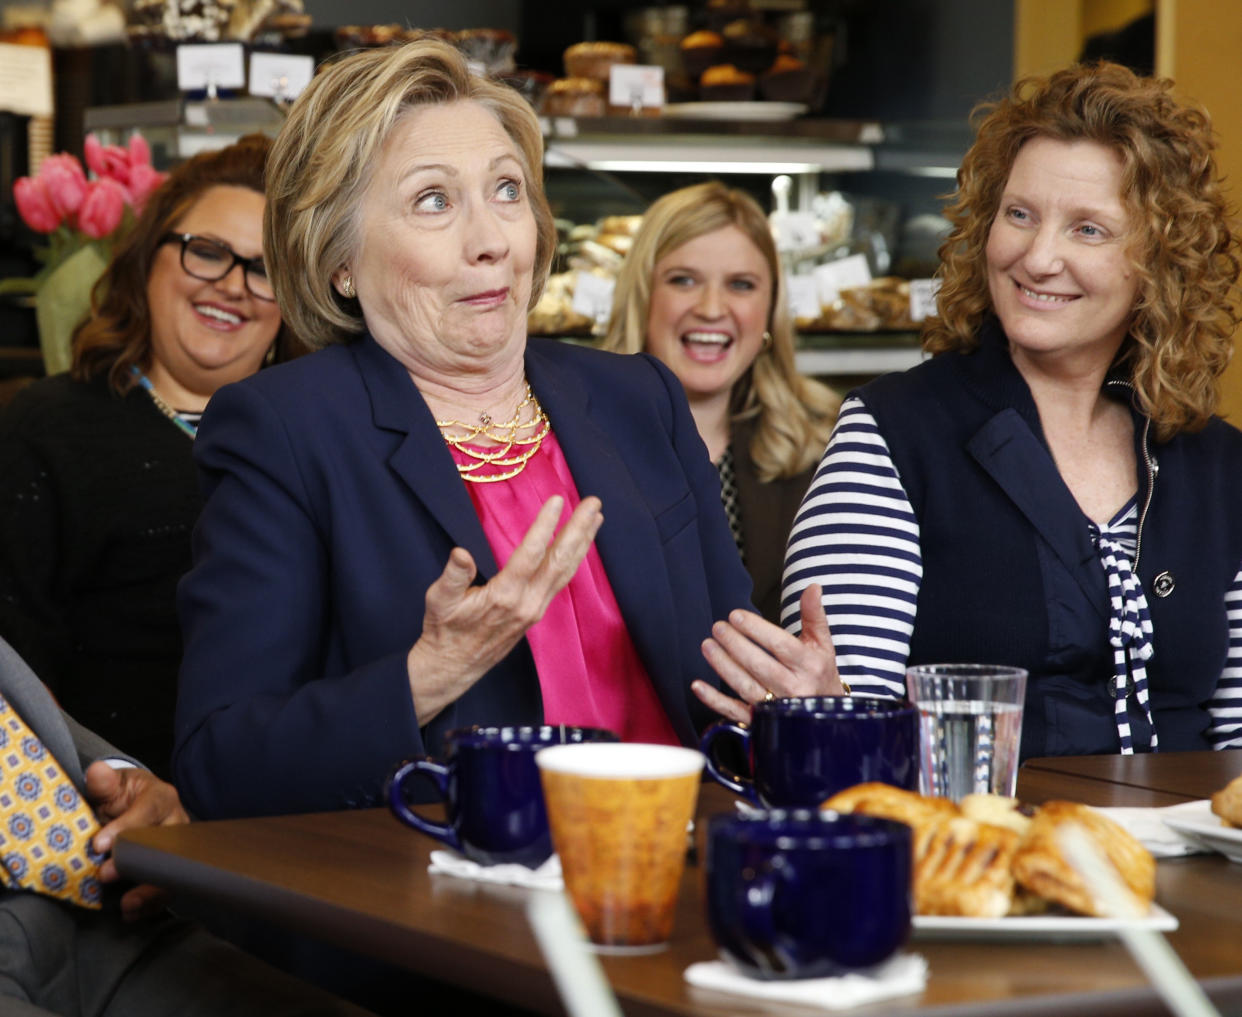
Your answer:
<point x="97" y="500"/>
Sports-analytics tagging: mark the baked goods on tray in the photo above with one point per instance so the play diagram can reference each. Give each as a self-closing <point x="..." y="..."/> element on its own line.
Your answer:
<point x="575" y="97"/>
<point x="596" y="59"/>
<point x="986" y="858"/>
<point x="726" y="83"/>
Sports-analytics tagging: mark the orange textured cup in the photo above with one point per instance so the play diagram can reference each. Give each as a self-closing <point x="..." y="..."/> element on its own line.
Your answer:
<point x="618" y="815"/>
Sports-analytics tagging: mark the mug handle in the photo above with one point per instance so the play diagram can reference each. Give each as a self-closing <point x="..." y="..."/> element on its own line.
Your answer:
<point x="756" y="894"/>
<point x="437" y="773"/>
<point x="734" y="782"/>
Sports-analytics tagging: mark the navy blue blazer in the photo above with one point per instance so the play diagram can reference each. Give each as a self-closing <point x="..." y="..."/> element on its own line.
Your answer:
<point x="332" y="503"/>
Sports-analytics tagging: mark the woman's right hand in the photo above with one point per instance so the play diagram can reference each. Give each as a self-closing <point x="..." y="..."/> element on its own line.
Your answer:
<point x="468" y="629"/>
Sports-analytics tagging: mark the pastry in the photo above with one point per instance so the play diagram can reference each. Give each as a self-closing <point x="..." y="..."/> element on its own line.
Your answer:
<point x="787" y="80"/>
<point x="888" y="802"/>
<point x="725" y="83"/>
<point x="750" y="45"/>
<point x="1040" y="864"/>
<point x="701" y="50"/>
<point x="627" y="225"/>
<point x="368" y="36"/>
<point x="180" y="20"/>
<point x="962" y="867"/>
<point x="554" y="313"/>
<point x="596" y="59"/>
<point x="973" y="860"/>
<point x="997" y="810"/>
<point x="1227" y="803"/>
<point x="574" y="97"/>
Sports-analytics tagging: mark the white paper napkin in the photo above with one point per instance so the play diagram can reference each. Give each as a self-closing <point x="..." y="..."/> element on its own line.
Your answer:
<point x="900" y="976"/>
<point x="1151" y="831"/>
<point x="546" y="877"/>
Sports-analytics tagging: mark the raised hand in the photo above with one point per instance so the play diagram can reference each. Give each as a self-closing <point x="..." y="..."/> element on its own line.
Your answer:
<point x="756" y="659"/>
<point x="469" y="629"/>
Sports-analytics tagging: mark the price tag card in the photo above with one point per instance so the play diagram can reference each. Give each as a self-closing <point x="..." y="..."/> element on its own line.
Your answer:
<point x="210" y="65"/>
<point x="635" y="85"/>
<point x="803" y="296"/>
<point x="280" y="75"/>
<point x="841" y="275"/>
<point x="593" y="295"/>
<point x="795" y="231"/>
<point x="923" y="298"/>
<point x="26" y="80"/>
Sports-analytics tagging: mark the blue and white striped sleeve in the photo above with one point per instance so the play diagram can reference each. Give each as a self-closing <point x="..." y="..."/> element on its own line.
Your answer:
<point x="857" y="536"/>
<point x="1225" y="707"/>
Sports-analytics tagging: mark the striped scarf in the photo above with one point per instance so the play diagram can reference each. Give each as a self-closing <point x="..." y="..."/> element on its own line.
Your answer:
<point x="1129" y="634"/>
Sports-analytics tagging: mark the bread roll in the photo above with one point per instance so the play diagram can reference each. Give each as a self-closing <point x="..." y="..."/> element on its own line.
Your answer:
<point x="1227" y="803"/>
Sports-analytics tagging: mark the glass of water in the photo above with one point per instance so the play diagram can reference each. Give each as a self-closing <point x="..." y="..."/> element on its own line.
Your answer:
<point x="970" y="726"/>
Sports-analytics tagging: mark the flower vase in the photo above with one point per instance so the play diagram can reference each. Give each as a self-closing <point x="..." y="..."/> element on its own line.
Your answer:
<point x="63" y="300"/>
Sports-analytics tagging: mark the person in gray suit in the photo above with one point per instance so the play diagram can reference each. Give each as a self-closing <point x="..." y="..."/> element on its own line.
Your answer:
<point x="133" y="958"/>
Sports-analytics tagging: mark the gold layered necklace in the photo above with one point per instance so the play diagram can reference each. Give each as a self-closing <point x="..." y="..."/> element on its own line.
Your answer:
<point x="516" y="441"/>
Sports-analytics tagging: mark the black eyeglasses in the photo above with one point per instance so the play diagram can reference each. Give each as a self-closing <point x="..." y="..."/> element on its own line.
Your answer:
<point x="211" y="261"/>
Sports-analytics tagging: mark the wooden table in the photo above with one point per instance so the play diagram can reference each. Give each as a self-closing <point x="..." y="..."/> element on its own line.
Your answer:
<point x="360" y="879"/>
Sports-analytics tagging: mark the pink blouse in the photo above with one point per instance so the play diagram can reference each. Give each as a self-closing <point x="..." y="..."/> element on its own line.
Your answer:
<point x="589" y="672"/>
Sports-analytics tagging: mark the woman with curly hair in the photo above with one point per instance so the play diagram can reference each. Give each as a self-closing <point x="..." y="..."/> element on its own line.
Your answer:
<point x="701" y="289"/>
<point x="100" y="492"/>
<point x="1052" y="489"/>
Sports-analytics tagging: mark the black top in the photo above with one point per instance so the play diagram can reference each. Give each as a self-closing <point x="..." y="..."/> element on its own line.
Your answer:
<point x="98" y="498"/>
<point x="767" y="511"/>
<point x="1011" y="565"/>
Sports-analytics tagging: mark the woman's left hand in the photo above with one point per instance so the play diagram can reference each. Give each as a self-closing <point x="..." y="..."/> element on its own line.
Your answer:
<point x="756" y="659"/>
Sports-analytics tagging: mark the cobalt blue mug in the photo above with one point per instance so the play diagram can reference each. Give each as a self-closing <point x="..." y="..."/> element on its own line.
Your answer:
<point x="803" y="750"/>
<point x="807" y="894"/>
<point x="490" y="787"/>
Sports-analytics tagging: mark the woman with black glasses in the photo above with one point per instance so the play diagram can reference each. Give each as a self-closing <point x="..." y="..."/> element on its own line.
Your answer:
<point x="99" y="492"/>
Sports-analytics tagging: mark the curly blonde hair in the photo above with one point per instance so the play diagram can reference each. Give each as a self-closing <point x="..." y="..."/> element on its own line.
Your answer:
<point x="321" y="163"/>
<point x="1182" y="243"/>
<point x="793" y="415"/>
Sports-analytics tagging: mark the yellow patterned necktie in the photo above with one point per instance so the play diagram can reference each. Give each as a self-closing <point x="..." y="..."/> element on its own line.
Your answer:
<point x="45" y="825"/>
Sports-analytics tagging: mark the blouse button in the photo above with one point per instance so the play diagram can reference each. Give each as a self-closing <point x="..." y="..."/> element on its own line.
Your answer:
<point x="1163" y="584"/>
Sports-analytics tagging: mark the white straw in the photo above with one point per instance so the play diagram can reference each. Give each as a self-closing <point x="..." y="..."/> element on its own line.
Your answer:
<point x="579" y="977"/>
<point x="1164" y="969"/>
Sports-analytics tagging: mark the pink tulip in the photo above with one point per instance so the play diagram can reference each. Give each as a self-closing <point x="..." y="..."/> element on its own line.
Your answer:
<point x="143" y="179"/>
<point x="107" y="160"/>
<point x="139" y="151"/>
<point x="103" y="208"/>
<point x="64" y="181"/>
<point x="34" y="204"/>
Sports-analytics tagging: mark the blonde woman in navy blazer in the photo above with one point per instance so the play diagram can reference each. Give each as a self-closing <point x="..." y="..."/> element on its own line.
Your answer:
<point x="346" y="607"/>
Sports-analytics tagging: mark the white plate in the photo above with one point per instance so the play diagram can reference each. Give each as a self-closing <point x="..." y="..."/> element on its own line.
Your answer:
<point x="1051" y="927"/>
<point x="1197" y="821"/>
<point x="735" y="110"/>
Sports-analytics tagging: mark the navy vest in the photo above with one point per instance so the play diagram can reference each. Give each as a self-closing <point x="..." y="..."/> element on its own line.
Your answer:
<point x="1011" y="575"/>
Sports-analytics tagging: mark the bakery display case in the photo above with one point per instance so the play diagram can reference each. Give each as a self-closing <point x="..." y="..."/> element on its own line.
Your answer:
<point x="179" y="128"/>
<point x="889" y="166"/>
<point x="645" y="156"/>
